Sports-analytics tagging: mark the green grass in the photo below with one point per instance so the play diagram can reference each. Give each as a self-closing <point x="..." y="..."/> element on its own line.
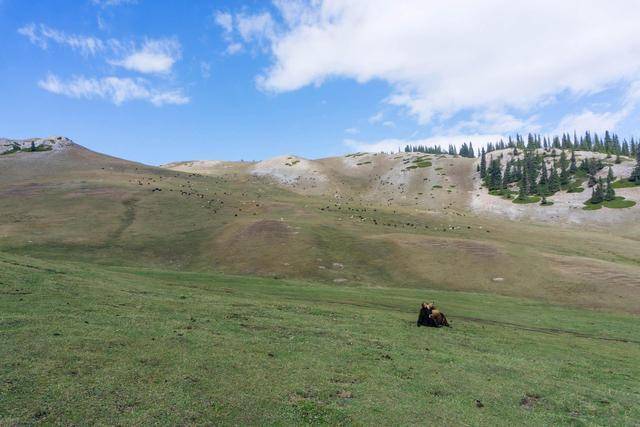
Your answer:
<point x="15" y="149"/>
<point x="592" y="206"/>
<point x="625" y="183"/>
<point x="529" y="199"/>
<point x="505" y="193"/>
<point x="618" y="202"/>
<point x="83" y="344"/>
<point x="38" y="148"/>
<point x="574" y="189"/>
<point x="419" y="164"/>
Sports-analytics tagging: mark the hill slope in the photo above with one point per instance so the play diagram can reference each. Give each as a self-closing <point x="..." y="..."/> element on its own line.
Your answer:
<point x="249" y="293"/>
<point x="148" y="346"/>
<point x="77" y="204"/>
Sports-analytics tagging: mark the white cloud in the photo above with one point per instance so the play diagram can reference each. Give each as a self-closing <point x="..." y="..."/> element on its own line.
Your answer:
<point x="155" y="56"/>
<point x="352" y="131"/>
<point x="233" y="48"/>
<point x="389" y="124"/>
<point x="256" y="28"/>
<point x="393" y="144"/>
<point x="243" y="28"/>
<point x="375" y="146"/>
<point x="495" y="122"/>
<point x="117" y="90"/>
<point x="41" y="35"/>
<point x="601" y="121"/>
<point x="376" y="118"/>
<point x="205" y="69"/>
<point x="224" y="20"/>
<point x="589" y="120"/>
<point x="110" y="3"/>
<point x="441" y="58"/>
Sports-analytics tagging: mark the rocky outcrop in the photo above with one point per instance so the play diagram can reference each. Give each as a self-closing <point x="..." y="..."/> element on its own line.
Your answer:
<point x="53" y="143"/>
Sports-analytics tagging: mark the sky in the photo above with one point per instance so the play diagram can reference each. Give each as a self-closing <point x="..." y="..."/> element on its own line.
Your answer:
<point x="166" y="80"/>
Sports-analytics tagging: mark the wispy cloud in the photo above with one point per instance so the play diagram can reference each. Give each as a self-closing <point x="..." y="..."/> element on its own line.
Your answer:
<point x="112" y="3"/>
<point x="154" y="56"/>
<point x="241" y="29"/>
<point x="115" y="89"/>
<point x="588" y="120"/>
<point x="41" y="35"/>
<point x="224" y="20"/>
<point x="205" y="69"/>
<point x="376" y="118"/>
<point x="352" y="131"/>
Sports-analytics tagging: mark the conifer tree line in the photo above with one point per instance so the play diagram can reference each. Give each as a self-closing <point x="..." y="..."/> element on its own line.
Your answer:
<point x="533" y="177"/>
<point x="609" y="144"/>
<point x="532" y="174"/>
<point x="466" y="150"/>
<point x="436" y="149"/>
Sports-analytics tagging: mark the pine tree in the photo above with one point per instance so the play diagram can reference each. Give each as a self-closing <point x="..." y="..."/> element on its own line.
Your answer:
<point x="522" y="193"/>
<point x="506" y="177"/>
<point x="635" y="174"/>
<point x="584" y="165"/>
<point x="573" y="168"/>
<point x="597" y="194"/>
<point x="543" y="185"/>
<point x="33" y="146"/>
<point x="618" y="160"/>
<point x="610" y="176"/>
<point x="609" y="193"/>
<point x="554" y="180"/>
<point x="495" y="175"/>
<point x="592" y="173"/>
<point x="564" y="171"/>
<point x="483" y="164"/>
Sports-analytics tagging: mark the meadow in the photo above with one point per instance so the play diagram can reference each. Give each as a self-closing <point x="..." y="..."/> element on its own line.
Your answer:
<point x="131" y="294"/>
<point x="84" y="344"/>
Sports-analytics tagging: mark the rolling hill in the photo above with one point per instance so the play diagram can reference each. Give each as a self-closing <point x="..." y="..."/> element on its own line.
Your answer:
<point x="372" y="219"/>
<point x="285" y="291"/>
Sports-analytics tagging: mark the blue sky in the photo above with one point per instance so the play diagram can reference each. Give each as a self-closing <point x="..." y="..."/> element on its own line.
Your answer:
<point x="158" y="81"/>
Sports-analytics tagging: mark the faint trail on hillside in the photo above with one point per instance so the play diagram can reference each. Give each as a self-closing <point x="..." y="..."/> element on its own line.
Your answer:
<point x="127" y="219"/>
<point x="552" y="331"/>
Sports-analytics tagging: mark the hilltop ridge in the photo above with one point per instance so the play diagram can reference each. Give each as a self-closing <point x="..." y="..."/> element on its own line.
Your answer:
<point x="8" y="146"/>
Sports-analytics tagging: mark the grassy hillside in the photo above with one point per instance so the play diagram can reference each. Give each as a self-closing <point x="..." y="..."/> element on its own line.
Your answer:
<point x="83" y="344"/>
<point x="132" y="294"/>
<point x="79" y="205"/>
